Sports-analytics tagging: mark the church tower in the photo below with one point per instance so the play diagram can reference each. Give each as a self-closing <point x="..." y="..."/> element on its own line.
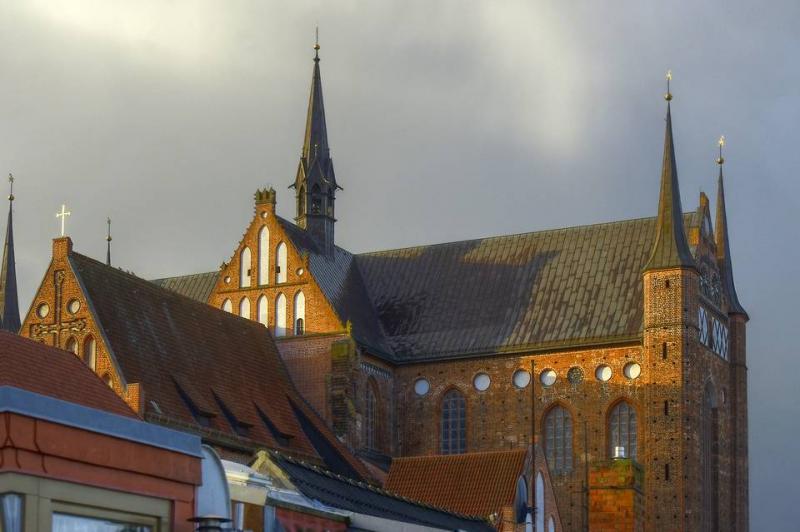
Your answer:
<point x="670" y="289"/>
<point x="9" y="304"/>
<point x="315" y="183"/>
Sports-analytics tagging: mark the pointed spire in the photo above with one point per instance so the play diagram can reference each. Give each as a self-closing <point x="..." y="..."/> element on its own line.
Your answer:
<point x="9" y="302"/>
<point x="315" y="141"/>
<point x="670" y="249"/>
<point x="723" y="245"/>
<point x="108" y="243"/>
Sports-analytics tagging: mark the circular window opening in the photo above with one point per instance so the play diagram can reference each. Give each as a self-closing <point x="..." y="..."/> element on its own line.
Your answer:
<point x="481" y="382"/>
<point x="300" y="271"/>
<point x="548" y="377"/>
<point x="603" y="373"/>
<point x="575" y="375"/>
<point x="264" y="214"/>
<point x="73" y="306"/>
<point x="227" y="279"/>
<point x="422" y="387"/>
<point x="632" y="370"/>
<point x="43" y="310"/>
<point x="521" y="378"/>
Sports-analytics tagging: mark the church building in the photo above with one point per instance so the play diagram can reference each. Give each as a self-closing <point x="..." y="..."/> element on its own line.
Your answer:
<point x="607" y="346"/>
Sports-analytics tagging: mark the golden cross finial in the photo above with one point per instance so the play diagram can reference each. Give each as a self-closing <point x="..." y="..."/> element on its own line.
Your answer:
<point x="668" y="95"/>
<point x="316" y="43"/>
<point x="721" y="159"/>
<point x="108" y="221"/>
<point x="11" y="192"/>
<point x="63" y="215"/>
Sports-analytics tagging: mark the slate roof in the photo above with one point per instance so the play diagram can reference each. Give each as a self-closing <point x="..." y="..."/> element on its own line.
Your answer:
<point x="473" y="484"/>
<point x="571" y="286"/>
<point x="59" y="374"/>
<point x="196" y="362"/>
<point x="339" y="492"/>
<point x="197" y="286"/>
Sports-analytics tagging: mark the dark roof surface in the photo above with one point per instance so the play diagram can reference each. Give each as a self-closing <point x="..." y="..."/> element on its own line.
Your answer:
<point x="339" y="492"/>
<point x="59" y="374"/>
<point x="543" y="289"/>
<point x="195" y="361"/>
<point x="197" y="286"/>
<point x="473" y="483"/>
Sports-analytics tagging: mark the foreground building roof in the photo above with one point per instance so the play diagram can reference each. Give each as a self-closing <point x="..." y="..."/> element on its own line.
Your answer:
<point x="346" y="494"/>
<point x="58" y="374"/>
<point x="473" y="483"/>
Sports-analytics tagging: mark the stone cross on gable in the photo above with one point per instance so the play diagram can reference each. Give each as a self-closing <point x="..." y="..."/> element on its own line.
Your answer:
<point x="63" y="215"/>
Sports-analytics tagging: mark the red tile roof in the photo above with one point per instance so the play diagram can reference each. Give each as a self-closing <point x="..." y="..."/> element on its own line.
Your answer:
<point x="191" y="358"/>
<point x="471" y="484"/>
<point x="57" y="374"/>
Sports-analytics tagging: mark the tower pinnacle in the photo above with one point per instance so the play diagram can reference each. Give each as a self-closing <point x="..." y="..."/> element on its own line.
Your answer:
<point x="108" y="242"/>
<point x="723" y="244"/>
<point x="9" y="302"/>
<point x="670" y="249"/>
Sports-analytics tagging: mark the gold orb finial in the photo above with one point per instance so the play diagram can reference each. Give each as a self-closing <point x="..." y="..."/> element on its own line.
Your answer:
<point x="668" y="95"/>
<point x="316" y="42"/>
<point x="11" y="187"/>
<point x="721" y="142"/>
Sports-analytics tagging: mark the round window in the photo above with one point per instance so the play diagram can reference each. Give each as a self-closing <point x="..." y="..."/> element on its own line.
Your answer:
<point x="227" y="279"/>
<point x="73" y="306"/>
<point x="264" y="214"/>
<point x="521" y="378"/>
<point x="43" y="310"/>
<point x="603" y="373"/>
<point x="422" y="387"/>
<point x="575" y="375"/>
<point x="300" y="271"/>
<point x="481" y="382"/>
<point x="632" y="370"/>
<point x="548" y="377"/>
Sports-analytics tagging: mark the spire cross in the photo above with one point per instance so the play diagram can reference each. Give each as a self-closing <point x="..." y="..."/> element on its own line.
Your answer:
<point x="11" y="191"/>
<point x="668" y="95"/>
<point x="108" y="242"/>
<point x="316" y="44"/>
<point x="63" y="215"/>
<point x="108" y="221"/>
<point x="721" y="159"/>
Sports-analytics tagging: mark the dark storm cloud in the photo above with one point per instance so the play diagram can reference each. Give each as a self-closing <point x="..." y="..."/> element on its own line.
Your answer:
<point x="448" y="120"/>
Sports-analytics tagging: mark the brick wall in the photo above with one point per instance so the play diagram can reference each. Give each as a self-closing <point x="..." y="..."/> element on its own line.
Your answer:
<point x="616" y="502"/>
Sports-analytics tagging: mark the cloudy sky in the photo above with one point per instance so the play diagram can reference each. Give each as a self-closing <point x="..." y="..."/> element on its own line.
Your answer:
<point x="448" y="120"/>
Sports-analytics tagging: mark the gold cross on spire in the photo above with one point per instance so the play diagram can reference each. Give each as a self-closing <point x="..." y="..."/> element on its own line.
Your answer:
<point x="721" y="159"/>
<point x="316" y="43"/>
<point x="11" y="187"/>
<point x="668" y="95"/>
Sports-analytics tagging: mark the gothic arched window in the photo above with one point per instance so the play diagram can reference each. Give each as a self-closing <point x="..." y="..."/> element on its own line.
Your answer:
<point x="622" y="429"/>
<point x="263" y="255"/>
<point x="301" y="202"/>
<point x="539" y="498"/>
<point x="262" y="310"/>
<point x="709" y="459"/>
<point x="280" y="315"/>
<point x="280" y="268"/>
<point x="454" y="423"/>
<point x="299" y="313"/>
<point x="371" y="418"/>
<point x="558" y="439"/>
<point x="245" y="265"/>
<point x="90" y="352"/>
<point x="244" y="308"/>
<point x="227" y="306"/>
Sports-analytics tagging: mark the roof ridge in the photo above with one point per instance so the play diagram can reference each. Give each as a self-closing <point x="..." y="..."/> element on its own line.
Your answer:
<point x="455" y="457"/>
<point x="214" y="272"/>
<point x="510" y="235"/>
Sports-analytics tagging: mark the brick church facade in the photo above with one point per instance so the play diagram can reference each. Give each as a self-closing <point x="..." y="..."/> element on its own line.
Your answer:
<point x="617" y="340"/>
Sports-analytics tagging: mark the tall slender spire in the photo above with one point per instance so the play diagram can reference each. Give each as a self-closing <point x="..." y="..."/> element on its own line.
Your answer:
<point x="315" y="181"/>
<point x="9" y="302"/>
<point x="108" y="243"/>
<point x="670" y="249"/>
<point x="723" y="245"/>
<point x="315" y="141"/>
